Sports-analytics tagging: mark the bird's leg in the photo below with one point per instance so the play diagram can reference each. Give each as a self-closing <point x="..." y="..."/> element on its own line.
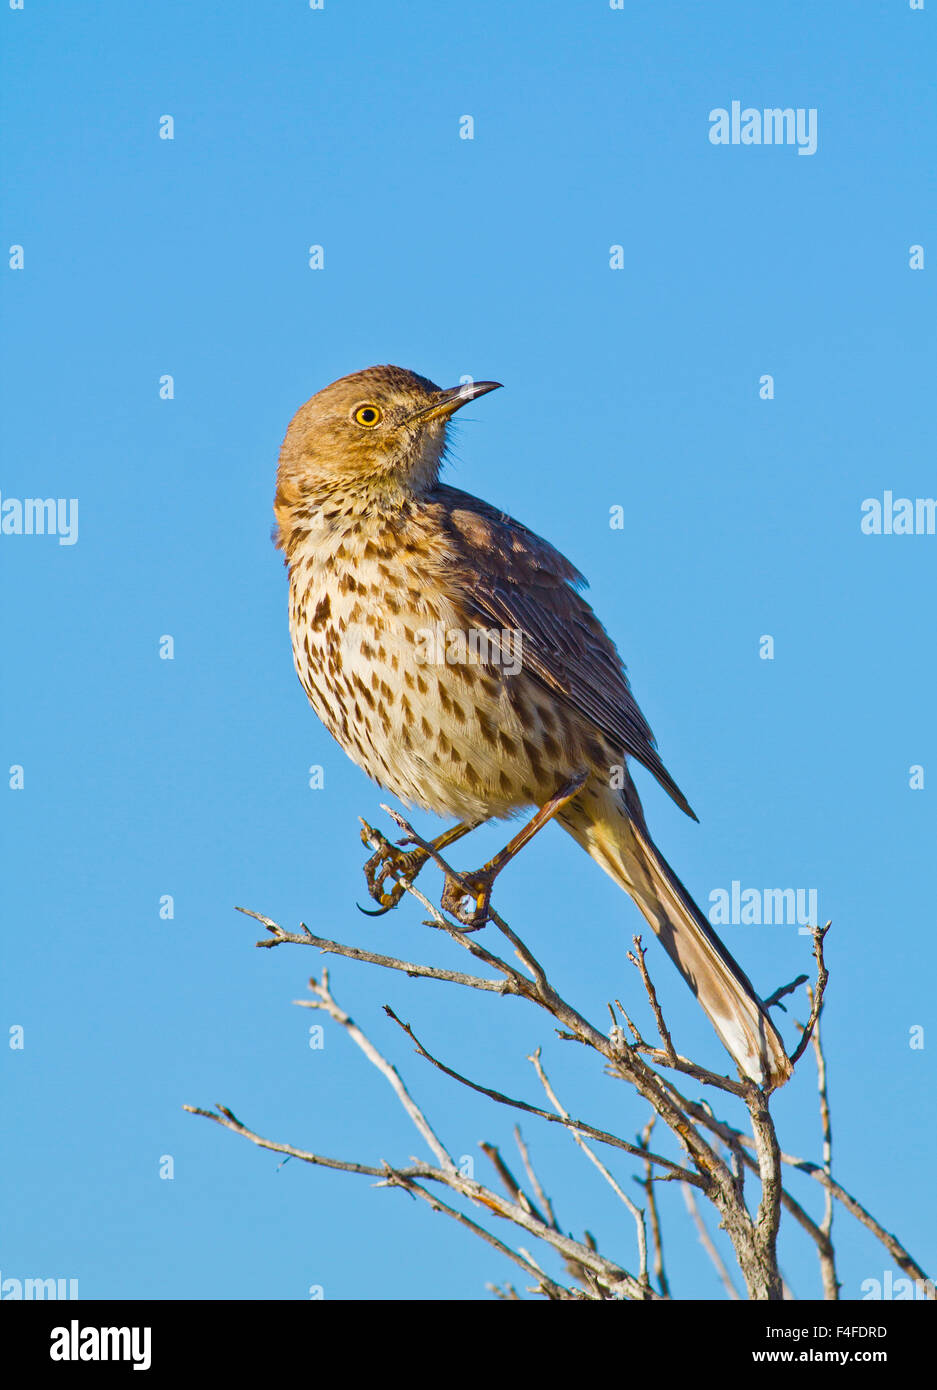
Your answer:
<point x="478" y="885"/>
<point x="393" y="863"/>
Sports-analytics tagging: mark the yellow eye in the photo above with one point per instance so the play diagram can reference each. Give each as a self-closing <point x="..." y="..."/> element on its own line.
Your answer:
<point x="369" y="416"/>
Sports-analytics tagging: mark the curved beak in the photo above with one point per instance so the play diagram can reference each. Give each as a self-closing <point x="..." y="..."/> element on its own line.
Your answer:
<point x="447" y="402"/>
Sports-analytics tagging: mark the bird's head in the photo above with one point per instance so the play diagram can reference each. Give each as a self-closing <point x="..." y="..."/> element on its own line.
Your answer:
<point x="376" y="436"/>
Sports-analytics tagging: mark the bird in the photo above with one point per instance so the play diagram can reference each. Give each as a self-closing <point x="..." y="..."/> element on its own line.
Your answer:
<point x="450" y="652"/>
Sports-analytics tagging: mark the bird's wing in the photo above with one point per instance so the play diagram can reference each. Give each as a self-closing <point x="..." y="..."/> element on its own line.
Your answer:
<point x="514" y="579"/>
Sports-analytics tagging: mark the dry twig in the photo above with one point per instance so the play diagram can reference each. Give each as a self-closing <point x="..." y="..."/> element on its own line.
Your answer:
<point x="716" y="1155"/>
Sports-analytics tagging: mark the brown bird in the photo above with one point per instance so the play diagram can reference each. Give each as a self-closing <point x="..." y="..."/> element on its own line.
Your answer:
<point x="448" y="651"/>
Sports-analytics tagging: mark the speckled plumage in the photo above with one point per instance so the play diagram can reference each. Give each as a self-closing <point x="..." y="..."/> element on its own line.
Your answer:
<point x="387" y="568"/>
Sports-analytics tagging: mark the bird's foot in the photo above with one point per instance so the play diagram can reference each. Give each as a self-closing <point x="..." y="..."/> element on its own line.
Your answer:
<point x="389" y="862"/>
<point x="470" y="888"/>
<point x="477" y="886"/>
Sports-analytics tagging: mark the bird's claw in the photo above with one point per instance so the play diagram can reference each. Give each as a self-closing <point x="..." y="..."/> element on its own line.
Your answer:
<point x="389" y="862"/>
<point x="475" y="887"/>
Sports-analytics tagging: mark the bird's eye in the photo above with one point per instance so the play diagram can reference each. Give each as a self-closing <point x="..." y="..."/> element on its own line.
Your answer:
<point x="369" y="416"/>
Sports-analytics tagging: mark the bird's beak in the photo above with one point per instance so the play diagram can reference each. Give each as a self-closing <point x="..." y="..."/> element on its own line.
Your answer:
<point x="446" y="403"/>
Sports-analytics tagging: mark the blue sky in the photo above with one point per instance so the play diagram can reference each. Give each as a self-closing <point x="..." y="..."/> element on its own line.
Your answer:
<point x="636" y="388"/>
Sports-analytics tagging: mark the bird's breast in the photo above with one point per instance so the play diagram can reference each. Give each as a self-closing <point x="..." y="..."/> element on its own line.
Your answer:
<point x="428" y="705"/>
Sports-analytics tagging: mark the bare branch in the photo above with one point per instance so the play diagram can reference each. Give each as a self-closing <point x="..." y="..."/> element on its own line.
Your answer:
<point x="228" y="1121"/>
<point x="827" y="1258"/>
<point x="717" y="1155"/>
<point x="615" y="1281"/>
<point x="650" y="1192"/>
<point x="638" y="960"/>
<point x="492" y="1152"/>
<point x="325" y="1000"/>
<point x="534" y="1180"/>
<point x="636" y="1212"/>
<point x="337" y="948"/>
<point x="602" y="1136"/>
<point x="547" y="1286"/>
<point x="706" y="1242"/>
<point x="778" y="995"/>
<point x="899" y="1254"/>
<point x="817" y="1000"/>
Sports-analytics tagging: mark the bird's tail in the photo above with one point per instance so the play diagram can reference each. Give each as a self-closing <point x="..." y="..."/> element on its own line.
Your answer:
<point x="621" y="844"/>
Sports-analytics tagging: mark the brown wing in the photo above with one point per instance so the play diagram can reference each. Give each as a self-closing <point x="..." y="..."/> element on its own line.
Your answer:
<point x="519" y="581"/>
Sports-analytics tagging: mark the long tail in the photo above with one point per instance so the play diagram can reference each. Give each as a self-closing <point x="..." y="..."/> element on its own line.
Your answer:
<point x="621" y="845"/>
